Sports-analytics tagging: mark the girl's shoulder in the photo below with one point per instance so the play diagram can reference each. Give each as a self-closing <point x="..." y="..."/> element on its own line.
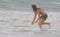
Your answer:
<point x="39" y="8"/>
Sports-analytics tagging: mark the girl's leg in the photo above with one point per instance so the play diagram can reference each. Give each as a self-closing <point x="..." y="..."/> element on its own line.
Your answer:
<point x="40" y="21"/>
<point x="46" y="23"/>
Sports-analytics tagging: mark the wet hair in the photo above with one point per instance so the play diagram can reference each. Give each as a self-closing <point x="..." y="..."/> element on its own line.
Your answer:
<point x="34" y="7"/>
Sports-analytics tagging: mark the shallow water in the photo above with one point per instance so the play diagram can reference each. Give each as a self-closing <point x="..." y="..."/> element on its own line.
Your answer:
<point x="18" y="24"/>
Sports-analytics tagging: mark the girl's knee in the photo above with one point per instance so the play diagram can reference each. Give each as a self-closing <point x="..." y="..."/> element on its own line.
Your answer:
<point x="39" y="23"/>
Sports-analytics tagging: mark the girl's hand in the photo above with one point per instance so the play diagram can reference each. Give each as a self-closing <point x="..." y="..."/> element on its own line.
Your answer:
<point x="32" y="22"/>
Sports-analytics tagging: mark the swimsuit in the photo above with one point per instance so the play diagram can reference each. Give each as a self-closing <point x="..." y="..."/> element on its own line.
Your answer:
<point x="44" y="17"/>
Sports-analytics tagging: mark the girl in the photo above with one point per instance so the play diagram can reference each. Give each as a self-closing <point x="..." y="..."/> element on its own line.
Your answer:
<point x="42" y="16"/>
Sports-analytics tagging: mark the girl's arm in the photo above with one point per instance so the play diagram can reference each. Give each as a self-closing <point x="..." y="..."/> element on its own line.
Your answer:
<point x="37" y="18"/>
<point x="38" y="11"/>
<point x="34" y="18"/>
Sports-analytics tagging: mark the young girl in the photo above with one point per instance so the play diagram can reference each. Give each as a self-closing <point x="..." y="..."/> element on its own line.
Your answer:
<point x="42" y="16"/>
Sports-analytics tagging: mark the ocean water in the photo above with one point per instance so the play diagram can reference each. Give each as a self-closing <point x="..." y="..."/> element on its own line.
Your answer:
<point x="16" y="17"/>
<point x="25" y="5"/>
<point x="16" y="24"/>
